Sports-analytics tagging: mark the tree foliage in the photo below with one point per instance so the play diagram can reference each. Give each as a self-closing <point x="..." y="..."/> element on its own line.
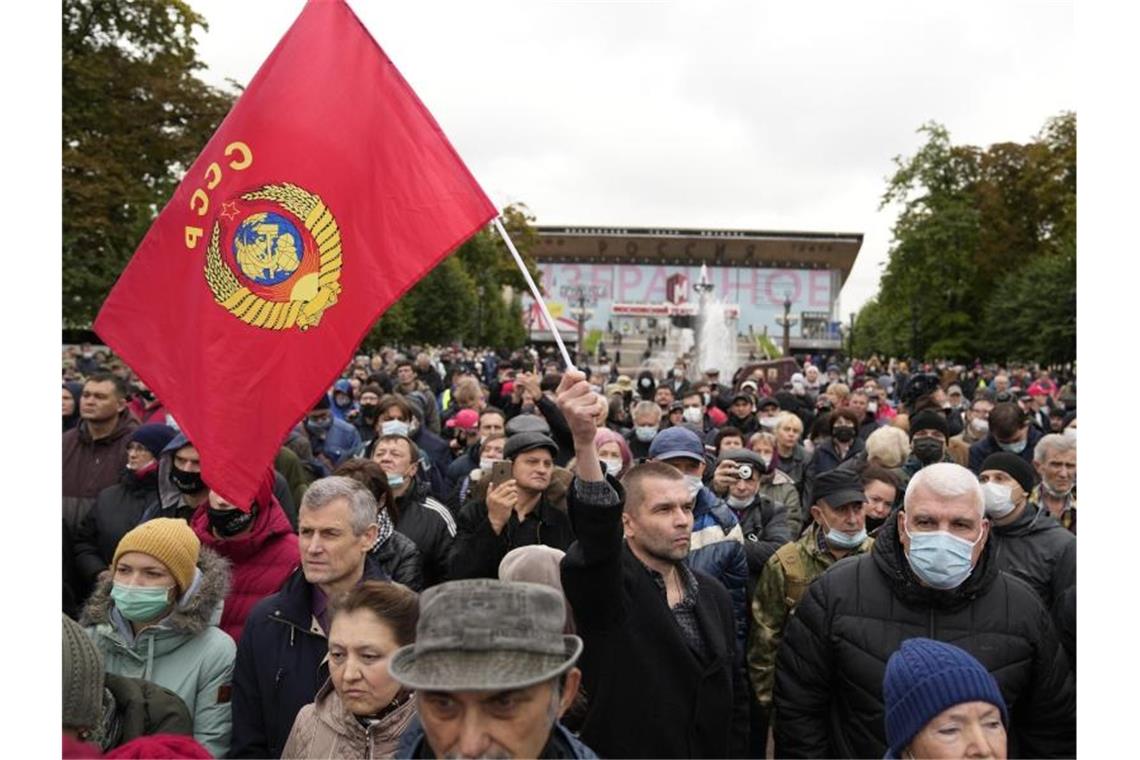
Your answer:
<point x="134" y="116"/>
<point x="471" y="297"/>
<point x="976" y="229"/>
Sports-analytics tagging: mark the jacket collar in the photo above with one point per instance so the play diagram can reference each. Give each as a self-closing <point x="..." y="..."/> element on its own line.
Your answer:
<point x="889" y="557"/>
<point x="295" y="600"/>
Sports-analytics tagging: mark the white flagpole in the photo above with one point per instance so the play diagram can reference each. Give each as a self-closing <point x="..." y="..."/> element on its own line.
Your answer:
<point x="534" y="292"/>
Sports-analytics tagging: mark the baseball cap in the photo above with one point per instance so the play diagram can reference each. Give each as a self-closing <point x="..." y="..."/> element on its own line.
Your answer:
<point x="464" y="419"/>
<point x="767" y="401"/>
<point x="675" y="442"/>
<point x="486" y="635"/>
<point x="522" y="442"/>
<point x="838" y="487"/>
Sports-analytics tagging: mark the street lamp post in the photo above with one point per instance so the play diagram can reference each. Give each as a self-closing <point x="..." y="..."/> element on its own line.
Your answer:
<point x="787" y="321"/>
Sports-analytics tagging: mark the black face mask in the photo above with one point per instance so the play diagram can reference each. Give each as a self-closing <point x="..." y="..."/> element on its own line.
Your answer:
<point x="369" y="412"/>
<point x="227" y="523"/>
<point x="843" y="434"/>
<point x="186" y="482"/>
<point x="874" y="522"/>
<point x="927" y="450"/>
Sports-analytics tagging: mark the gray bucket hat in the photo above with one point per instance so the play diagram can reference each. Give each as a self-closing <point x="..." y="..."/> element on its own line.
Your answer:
<point x="486" y="635"/>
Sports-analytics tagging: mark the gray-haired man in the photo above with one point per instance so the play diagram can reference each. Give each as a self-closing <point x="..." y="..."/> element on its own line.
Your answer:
<point x="280" y="657"/>
<point x="493" y="672"/>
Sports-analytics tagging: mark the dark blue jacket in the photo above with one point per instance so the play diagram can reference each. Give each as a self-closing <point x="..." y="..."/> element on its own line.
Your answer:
<point x="718" y="550"/>
<point x="989" y="445"/>
<point x="439" y="457"/>
<point x="279" y="666"/>
<point x="413" y="740"/>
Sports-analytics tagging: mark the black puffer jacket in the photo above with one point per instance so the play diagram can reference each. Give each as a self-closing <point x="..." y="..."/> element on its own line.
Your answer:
<point x="829" y="670"/>
<point x="1038" y="550"/>
<point x="117" y="510"/>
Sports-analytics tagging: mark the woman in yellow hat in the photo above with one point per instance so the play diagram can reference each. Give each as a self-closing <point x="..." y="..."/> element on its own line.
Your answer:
<point x="156" y="618"/>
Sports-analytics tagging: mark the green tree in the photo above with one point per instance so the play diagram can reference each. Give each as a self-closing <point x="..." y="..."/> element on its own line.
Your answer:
<point x="134" y="116"/>
<point x="464" y="297"/>
<point x="968" y="219"/>
<point x="1033" y="313"/>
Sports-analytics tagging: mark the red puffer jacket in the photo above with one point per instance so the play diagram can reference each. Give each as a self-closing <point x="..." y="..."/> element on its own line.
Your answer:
<point x="261" y="559"/>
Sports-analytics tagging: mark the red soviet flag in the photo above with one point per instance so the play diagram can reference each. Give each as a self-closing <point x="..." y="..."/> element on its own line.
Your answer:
<point x="325" y="194"/>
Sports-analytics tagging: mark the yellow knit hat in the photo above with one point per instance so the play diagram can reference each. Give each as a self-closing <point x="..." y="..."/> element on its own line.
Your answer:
<point x="169" y="540"/>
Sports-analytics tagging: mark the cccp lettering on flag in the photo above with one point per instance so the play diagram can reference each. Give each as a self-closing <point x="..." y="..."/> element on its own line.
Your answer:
<point x="324" y="195"/>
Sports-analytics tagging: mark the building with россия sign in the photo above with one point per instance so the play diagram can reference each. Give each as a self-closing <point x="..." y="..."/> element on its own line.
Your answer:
<point x="638" y="280"/>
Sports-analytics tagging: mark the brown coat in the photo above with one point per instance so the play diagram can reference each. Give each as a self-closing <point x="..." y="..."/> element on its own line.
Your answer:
<point x="89" y="465"/>
<point x="326" y="729"/>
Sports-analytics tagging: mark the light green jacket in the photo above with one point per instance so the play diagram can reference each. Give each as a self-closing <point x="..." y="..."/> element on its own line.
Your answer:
<point x="185" y="652"/>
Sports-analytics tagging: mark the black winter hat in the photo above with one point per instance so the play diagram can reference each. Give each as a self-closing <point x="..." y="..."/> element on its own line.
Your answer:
<point x="1013" y="466"/>
<point x="928" y="419"/>
<point x="154" y="437"/>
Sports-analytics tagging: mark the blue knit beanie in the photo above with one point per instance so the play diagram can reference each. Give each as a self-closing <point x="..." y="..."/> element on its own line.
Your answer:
<point x="154" y="437"/>
<point x="925" y="677"/>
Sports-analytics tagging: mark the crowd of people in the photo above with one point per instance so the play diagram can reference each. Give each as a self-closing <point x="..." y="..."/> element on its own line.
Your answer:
<point x="471" y="553"/>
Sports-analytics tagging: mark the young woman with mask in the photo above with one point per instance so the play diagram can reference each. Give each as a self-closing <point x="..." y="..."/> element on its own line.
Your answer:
<point x="156" y="618"/>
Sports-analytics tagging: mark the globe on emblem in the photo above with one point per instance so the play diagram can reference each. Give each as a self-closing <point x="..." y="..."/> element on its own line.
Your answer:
<point x="268" y="248"/>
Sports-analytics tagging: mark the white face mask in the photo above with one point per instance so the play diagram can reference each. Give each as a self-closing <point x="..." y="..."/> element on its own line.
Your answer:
<point x="486" y="464"/>
<point x="873" y="407"/>
<point x="693" y="415"/>
<point x="738" y="502"/>
<point x="768" y="423"/>
<point x="999" y="499"/>
<point x="980" y="426"/>
<point x="694" y="484"/>
<point x="394" y="427"/>
<point x="613" y="466"/>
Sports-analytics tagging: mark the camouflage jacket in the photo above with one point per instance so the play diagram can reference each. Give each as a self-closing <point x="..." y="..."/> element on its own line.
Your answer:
<point x="782" y="582"/>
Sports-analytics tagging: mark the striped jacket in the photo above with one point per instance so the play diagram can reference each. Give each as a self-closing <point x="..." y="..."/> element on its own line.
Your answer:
<point x="717" y="549"/>
<point x="431" y="525"/>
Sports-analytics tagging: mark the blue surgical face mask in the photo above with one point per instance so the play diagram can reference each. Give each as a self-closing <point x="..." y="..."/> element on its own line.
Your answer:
<point x="940" y="559"/>
<point x="140" y="604"/>
<point x="1014" y="448"/>
<point x="395" y="480"/>
<point x="394" y="427"/>
<point x="837" y="539"/>
<point x="645" y="433"/>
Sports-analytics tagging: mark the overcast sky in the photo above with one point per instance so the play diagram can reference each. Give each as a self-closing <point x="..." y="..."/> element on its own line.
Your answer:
<point x="762" y="116"/>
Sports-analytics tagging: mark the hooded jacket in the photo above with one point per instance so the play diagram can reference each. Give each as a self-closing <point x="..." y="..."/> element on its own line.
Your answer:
<point x="326" y="729"/>
<point x="91" y="465"/>
<point x="830" y="666"/>
<point x="1038" y="550"/>
<point x="171" y="501"/>
<point x="280" y="666"/>
<point x="185" y="652"/>
<point x="260" y="560"/>
<point x="117" y="510"/>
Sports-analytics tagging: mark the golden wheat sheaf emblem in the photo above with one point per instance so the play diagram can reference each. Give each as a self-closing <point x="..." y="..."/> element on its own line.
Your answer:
<point x="274" y="258"/>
